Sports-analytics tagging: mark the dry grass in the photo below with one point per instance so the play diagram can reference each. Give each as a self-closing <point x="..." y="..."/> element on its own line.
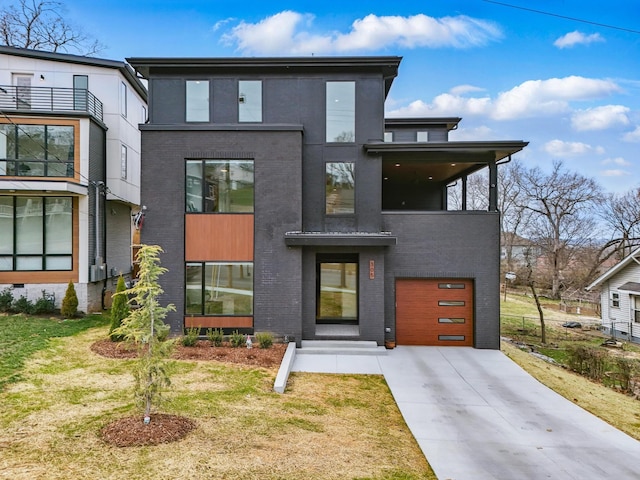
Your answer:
<point x="323" y="427"/>
<point x="618" y="409"/>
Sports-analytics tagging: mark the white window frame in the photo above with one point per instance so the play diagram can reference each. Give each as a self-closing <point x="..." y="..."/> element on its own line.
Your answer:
<point x="123" y="99"/>
<point x="123" y="162"/>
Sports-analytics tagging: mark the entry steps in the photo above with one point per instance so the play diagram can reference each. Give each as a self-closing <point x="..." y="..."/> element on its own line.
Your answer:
<point x="340" y="347"/>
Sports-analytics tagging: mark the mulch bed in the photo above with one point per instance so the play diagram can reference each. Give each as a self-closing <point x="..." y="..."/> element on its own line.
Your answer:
<point x="132" y="432"/>
<point x="259" y="357"/>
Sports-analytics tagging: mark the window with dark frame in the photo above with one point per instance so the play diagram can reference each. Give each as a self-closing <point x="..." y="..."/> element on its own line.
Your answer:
<point x="36" y="233"/>
<point x="337" y="288"/>
<point x="219" y="186"/>
<point x="219" y="288"/>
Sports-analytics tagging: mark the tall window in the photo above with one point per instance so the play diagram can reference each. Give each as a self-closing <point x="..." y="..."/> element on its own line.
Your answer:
<point x="80" y="92"/>
<point x="341" y="111"/>
<point x="636" y="308"/>
<point x="123" y="162"/>
<point x="615" y="300"/>
<point x="37" y="150"/>
<point x="123" y="99"/>
<point x="337" y="289"/>
<point x="217" y="288"/>
<point x="340" y="188"/>
<point x="197" y="101"/>
<point x="36" y="233"/>
<point x="219" y="186"/>
<point x="250" y="101"/>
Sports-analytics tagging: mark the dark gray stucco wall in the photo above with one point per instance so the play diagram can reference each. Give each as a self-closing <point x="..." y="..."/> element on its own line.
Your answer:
<point x="118" y="238"/>
<point x="448" y="245"/>
<point x="278" y="169"/>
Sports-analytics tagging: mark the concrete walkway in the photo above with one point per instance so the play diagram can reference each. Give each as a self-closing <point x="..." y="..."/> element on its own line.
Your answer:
<point x="478" y="416"/>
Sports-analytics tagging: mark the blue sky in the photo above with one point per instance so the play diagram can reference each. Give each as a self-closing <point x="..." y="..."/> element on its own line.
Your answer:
<point x="571" y="88"/>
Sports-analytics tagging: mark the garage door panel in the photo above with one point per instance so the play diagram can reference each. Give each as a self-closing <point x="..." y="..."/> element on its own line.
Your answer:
<point x="434" y="312"/>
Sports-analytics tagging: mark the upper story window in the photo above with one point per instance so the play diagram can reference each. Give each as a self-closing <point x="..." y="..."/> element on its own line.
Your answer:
<point x="80" y="92"/>
<point x="341" y="112"/>
<point x="37" y="150"/>
<point x="36" y="233"/>
<point x="422" y="136"/>
<point x="123" y="162"/>
<point x="197" y="101"/>
<point x="250" y="101"/>
<point x="123" y="99"/>
<point x="219" y="186"/>
<point x="340" y="188"/>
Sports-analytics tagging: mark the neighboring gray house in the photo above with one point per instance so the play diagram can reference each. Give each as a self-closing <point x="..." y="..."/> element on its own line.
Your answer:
<point x="620" y="298"/>
<point x="286" y="202"/>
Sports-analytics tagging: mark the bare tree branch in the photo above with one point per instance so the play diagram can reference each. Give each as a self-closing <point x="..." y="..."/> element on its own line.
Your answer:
<point x="40" y="25"/>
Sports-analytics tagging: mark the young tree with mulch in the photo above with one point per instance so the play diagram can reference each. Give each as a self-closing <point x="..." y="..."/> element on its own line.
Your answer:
<point x="119" y="310"/>
<point x="144" y="327"/>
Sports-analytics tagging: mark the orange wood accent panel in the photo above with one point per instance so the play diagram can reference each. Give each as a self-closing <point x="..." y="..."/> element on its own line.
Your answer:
<point x="218" y="322"/>
<point x="52" y="121"/>
<point x="418" y="311"/>
<point x="54" y="276"/>
<point x="219" y="237"/>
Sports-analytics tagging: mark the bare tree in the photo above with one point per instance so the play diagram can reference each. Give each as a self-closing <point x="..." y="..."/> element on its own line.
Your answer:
<point x="562" y="221"/>
<point x="40" y="25"/>
<point x="513" y="215"/>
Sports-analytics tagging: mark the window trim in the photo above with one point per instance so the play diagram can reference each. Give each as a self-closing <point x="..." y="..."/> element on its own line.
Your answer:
<point x="614" y="299"/>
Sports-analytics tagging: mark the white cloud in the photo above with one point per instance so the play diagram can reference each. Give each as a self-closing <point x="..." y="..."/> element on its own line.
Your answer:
<point x="472" y="134"/>
<point x="548" y="97"/>
<point x="462" y="89"/>
<point x="289" y="32"/>
<point x="621" y="162"/>
<point x="614" y="173"/>
<point x="560" y="148"/>
<point x="632" y="136"/>
<point x="533" y="98"/>
<point x="577" y="38"/>
<point x="600" y="118"/>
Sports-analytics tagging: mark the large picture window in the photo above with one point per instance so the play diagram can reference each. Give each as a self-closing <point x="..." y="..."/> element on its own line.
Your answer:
<point x="219" y="186"/>
<point x="197" y="101"/>
<point x="340" y="188"/>
<point x="37" y="150"/>
<point x="341" y="112"/>
<point x="219" y="288"/>
<point x="337" y="289"/>
<point x="36" y="233"/>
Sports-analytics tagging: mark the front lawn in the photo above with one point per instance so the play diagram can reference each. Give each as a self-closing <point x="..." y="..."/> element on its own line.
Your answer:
<point x="323" y="427"/>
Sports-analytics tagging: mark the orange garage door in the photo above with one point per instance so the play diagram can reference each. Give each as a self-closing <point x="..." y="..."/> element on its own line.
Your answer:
<point x="434" y="312"/>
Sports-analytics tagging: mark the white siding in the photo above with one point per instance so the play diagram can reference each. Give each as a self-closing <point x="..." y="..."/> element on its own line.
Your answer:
<point x="622" y="316"/>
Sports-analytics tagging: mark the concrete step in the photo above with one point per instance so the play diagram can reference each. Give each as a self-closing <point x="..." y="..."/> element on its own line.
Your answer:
<point x="340" y="347"/>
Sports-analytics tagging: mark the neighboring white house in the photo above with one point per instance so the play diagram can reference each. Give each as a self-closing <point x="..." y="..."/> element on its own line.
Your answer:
<point x="620" y="298"/>
<point x="69" y="172"/>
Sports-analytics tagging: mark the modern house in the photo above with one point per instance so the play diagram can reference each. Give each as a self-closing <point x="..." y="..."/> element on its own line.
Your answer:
<point x="69" y="172"/>
<point x="620" y="298"/>
<point x="286" y="202"/>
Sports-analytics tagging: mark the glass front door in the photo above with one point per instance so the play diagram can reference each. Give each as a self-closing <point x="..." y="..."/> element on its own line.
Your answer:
<point x="337" y="289"/>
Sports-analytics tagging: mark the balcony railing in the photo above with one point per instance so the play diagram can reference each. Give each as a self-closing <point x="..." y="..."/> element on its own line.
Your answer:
<point x="49" y="99"/>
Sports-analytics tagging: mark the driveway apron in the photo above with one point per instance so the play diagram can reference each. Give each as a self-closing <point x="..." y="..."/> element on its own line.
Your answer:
<point x="477" y="415"/>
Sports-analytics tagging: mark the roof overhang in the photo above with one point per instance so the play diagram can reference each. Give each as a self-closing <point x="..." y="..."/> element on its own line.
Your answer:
<point x="23" y="187"/>
<point x="386" y="65"/>
<point x="439" y="161"/>
<point x="338" y="239"/>
<point x="630" y="287"/>
<point x="450" y="123"/>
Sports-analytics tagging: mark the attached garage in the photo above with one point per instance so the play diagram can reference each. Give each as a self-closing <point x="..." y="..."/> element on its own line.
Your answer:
<point x="434" y="311"/>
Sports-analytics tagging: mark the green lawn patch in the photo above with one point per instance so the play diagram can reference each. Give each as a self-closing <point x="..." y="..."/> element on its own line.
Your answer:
<point x="21" y="336"/>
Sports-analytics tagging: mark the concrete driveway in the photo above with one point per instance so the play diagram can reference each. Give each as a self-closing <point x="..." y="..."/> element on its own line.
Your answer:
<point x="477" y="415"/>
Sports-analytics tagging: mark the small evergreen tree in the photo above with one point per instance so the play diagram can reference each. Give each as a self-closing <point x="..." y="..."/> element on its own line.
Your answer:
<point x="144" y="327"/>
<point x="119" y="310"/>
<point x="69" y="307"/>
